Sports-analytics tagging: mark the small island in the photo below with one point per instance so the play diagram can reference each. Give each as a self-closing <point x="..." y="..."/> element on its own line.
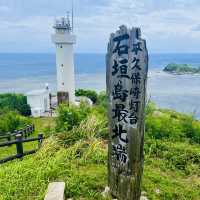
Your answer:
<point x="181" y="69"/>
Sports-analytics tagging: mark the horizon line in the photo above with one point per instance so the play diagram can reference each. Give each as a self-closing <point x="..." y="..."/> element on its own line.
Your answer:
<point x="8" y="52"/>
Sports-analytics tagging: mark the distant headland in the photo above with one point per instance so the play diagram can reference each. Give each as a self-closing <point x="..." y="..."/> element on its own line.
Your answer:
<point x="181" y="69"/>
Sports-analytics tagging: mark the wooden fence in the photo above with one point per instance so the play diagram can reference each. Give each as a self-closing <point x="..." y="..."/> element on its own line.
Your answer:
<point x="25" y="132"/>
<point x="19" y="141"/>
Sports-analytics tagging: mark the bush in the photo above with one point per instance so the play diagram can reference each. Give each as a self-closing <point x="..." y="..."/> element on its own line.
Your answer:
<point x="70" y="116"/>
<point x="11" y="121"/>
<point x="89" y="128"/>
<point x="160" y="127"/>
<point x="169" y="124"/>
<point x="102" y="100"/>
<point x="150" y="108"/>
<point x="176" y="156"/>
<point x="196" y="128"/>
<point x="87" y="93"/>
<point x="15" y="102"/>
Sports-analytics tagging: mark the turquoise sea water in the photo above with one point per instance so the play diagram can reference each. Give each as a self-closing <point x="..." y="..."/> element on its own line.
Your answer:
<point x="25" y="72"/>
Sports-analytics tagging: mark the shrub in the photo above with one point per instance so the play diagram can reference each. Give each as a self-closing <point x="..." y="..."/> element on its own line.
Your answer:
<point x="70" y="116"/>
<point x="163" y="126"/>
<point x="177" y="155"/>
<point x="195" y="136"/>
<point x="11" y="121"/>
<point x="87" y="93"/>
<point x="89" y="128"/>
<point x="150" y="108"/>
<point x="102" y="100"/>
<point x="15" y="102"/>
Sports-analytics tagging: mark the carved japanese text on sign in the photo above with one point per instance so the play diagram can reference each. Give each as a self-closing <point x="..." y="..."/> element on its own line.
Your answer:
<point x="126" y="76"/>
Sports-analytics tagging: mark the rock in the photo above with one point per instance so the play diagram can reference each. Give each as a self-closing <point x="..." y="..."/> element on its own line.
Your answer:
<point x="106" y="192"/>
<point x="157" y="191"/>
<point x="55" y="191"/>
<point x="143" y="198"/>
<point x="143" y="193"/>
<point x="158" y="113"/>
<point x="86" y="100"/>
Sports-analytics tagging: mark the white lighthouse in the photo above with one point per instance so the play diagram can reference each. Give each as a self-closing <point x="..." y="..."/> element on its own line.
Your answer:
<point x="64" y="40"/>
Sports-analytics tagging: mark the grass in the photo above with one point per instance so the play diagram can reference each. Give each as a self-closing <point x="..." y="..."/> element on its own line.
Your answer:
<point x="79" y="158"/>
<point x="172" y="171"/>
<point x="42" y="125"/>
<point x="83" y="168"/>
<point x="31" y="176"/>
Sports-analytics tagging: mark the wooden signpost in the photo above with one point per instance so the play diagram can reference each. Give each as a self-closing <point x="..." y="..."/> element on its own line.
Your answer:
<point x="127" y="67"/>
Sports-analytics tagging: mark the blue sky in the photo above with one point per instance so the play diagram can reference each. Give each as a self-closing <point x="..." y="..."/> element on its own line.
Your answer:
<point x="167" y="25"/>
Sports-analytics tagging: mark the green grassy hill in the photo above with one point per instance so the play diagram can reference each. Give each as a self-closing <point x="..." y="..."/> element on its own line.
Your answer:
<point x="77" y="154"/>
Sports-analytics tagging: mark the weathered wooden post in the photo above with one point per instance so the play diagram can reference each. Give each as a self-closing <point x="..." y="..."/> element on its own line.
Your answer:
<point x="33" y="127"/>
<point x="19" y="146"/>
<point x="9" y="136"/>
<point x="127" y="67"/>
<point x="15" y="132"/>
<point x="28" y="130"/>
<point x="40" y="139"/>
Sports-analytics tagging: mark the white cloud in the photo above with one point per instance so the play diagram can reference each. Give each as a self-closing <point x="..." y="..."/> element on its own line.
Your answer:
<point x="163" y="21"/>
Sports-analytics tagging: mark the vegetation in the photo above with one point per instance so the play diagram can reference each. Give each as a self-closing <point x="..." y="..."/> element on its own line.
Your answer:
<point x="46" y="126"/>
<point x="181" y="68"/>
<point x="77" y="154"/>
<point x="11" y="120"/>
<point x="87" y="93"/>
<point x="168" y="124"/>
<point x="15" y="102"/>
<point x="70" y="116"/>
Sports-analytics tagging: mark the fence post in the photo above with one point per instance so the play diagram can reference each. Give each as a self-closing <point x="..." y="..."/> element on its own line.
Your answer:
<point x="15" y="132"/>
<point x="25" y="133"/>
<point x="27" y="130"/>
<point x="9" y="136"/>
<point x="19" y="146"/>
<point x="40" y="139"/>
<point x="33" y="127"/>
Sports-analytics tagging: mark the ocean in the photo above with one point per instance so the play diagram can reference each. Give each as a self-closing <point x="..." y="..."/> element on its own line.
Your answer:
<point x="21" y="73"/>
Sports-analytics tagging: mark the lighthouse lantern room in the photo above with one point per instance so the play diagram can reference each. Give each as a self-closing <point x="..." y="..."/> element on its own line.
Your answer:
<point x="64" y="40"/>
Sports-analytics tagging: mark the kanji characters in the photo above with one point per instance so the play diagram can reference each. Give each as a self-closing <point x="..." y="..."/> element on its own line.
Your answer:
<point x="136" y="78"/>
<point x="127" y="82"/>
<point x="134" y="105"/>
<point x="121" y="49"/>
<point x="119" y="92"/>
<point x="136" y="63"/>
<point x="133" y="118"/>
<point x="120" y="112"/>
<point x="120" y="68"/>
<point x="120" y="133"/>
<point x="120" y="153"/>
<point x="137" y="47"/>
<point x="135" y="91"/>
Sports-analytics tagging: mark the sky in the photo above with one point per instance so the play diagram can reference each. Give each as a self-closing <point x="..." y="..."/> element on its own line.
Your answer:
<point x="167" y="25"/>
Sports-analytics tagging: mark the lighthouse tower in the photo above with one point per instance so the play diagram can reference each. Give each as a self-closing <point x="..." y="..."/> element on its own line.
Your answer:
<point x="64" y="40"/>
